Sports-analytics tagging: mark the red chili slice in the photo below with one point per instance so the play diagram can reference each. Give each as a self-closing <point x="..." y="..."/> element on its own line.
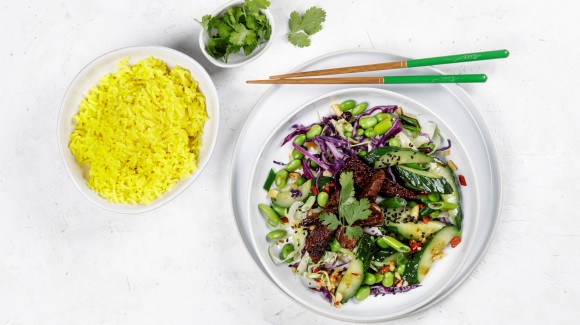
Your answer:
<point x="284" y="220"/>
<point x="385" y="269"/>
<point x="462" y="180"/>
<point x="455" y="241"/>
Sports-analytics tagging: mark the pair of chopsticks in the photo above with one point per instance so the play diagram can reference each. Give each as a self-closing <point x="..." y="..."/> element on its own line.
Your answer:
<point x="297" y="77"/>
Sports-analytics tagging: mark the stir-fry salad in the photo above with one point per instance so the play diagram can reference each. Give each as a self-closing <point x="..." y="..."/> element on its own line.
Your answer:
<point x="365" y="203"/>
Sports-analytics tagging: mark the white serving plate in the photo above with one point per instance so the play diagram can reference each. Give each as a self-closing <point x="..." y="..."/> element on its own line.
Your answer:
<point x="473" y="151"/>
<point x="89" y="77"/>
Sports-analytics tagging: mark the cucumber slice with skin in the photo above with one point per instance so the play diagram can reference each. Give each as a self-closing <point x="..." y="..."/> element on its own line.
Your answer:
<point x="400" y="156"/>
<point x="417" y="231"/>
<point x="418" y="267"/>
<point x="424" y="180"/>
<point x="455" y="197"/>
<point x="285" y="199"/>
<point x="351" y="280"/>
<point x="397" y="215"/>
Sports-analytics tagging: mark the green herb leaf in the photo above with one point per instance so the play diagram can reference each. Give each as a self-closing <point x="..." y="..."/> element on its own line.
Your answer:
<point x="239" y="36"/>
<point x="357" y="210"/>
<point x="204" y="22"/>
<point x="302" y="26"/>
<point x="354" y="232"/>
<point x="294" y="21"/>
<point x="299" y="39"/>
<point x="330" y="220"/>
<point x="312" y="20"/>
<point x="254" y="6"/>
<point x="346" y="187"/>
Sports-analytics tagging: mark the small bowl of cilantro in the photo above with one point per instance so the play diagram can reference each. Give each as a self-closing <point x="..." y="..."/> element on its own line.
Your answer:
<point x="236" y="33"/>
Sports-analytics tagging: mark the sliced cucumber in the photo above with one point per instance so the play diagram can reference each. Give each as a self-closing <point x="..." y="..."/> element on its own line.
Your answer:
<point x="285" y="199"/>
<point x="455" y="197"/>
<point x="351" y="280"/>
<point x="417" y="268"/>
<point x="397" y="215"/>
<point x="399" y="156"/>
<point x="417" y="231"/>
<point x="424" y="180"/>
<point x="365" y="249"/>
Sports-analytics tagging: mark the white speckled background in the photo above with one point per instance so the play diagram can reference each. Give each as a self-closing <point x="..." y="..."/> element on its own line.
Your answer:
<point x="65" y="261"/>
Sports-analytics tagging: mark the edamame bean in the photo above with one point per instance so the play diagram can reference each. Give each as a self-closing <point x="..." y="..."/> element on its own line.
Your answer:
<point x="360" y="132"/>
<point x="382" y="127"/>
<point x="367" y="122"/>
<point x="296" y="154"/>
<point x="281" y="178"/>
<point x="369" y="279"/>
<point x="362" y="293"/>
<point x="335" y="245"/>
<point x="286" y="250"/>
<point x="322" y="198"/>
<point x="369" y="133"/>
<point x="424" y="198"/>
<point x="393" y="142"/>
<point x="389" y="279"/>
<point x="300" y="181"/>
<point x="314" y="131"/>
<point x="383" y="116"/>
<point x="433" y="197"/>
<point x="347" y="105"/>
<point x="362" y="153"/>
<point x="293" y="165"/>
<point x="300" y="139"/>
<point x="276" y="234"/>
<point x="379" y="277"/>
<point x="271" y="216"/>
<point x="348" y="134"/>
<point x="401" y="269"/>
<point x="359" y="109"/>
<point x="313" y="164"/>
<point x="279" y="210"/>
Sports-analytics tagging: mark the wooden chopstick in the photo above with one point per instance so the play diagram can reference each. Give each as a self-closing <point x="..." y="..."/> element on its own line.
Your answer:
<point x="461" y="78"/>
<point x="467" y="57"/>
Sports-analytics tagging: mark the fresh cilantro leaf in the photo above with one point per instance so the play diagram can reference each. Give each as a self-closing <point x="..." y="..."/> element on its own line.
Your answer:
<point x="249" y="48"/>
<point x="299" y="39"/>
<point x="302" y="26"/>
<point x="294" y="21"/>
<point x="252" y="23"/>
<point x="224" y="30"/>
<point x="330" y="220"/>
<point x="231" y="49"/>
<point x="239" y="36"/>
<point x="254" y="6"/>
<point x="357" y="210"/>
<point x="312" y="20"/>
<point x="251" y="38"/>
<point x="204" y="22"/>
<point x="354" y="232"/>
<point x="268" y="32"/>
<point x="346" y="186"/>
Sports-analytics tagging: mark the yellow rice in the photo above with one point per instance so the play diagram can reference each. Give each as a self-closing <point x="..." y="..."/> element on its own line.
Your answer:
<point x="139" y="131"/>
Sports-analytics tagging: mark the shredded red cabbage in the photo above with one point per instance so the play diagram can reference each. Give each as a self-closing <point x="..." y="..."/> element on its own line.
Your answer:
<point x="312" y="157"/>
<point x="325" y="293"/>
<point x="447" y="147"/>
<point x="379" y="289"/>
<point x="383" y="109"/>
<point x="295" y="193"/>
<point x="305" y="170"/>
<point x="301" y="129"/>
<point x="426" y="136"/>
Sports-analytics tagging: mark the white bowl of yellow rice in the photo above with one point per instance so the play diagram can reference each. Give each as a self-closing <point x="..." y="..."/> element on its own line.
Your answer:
<point x="137" y="126"/>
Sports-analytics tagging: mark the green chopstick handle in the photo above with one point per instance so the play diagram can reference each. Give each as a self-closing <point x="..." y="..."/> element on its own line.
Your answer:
<point x="459" y="78"/>
<point x="467" y="57"/>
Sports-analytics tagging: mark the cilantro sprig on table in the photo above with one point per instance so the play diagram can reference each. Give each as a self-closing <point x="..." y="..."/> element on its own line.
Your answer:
<point x="302" y="26"/>
<point x="350" y="210"/>
<point x="238" y="28"/>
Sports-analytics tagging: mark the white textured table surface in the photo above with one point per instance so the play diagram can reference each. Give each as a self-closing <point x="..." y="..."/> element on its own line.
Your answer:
<point x="65" y="261"/>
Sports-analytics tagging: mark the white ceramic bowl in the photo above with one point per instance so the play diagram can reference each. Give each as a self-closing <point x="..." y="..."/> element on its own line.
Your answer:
<point x="90" y="76"/>
<point x="237" y="59"/>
